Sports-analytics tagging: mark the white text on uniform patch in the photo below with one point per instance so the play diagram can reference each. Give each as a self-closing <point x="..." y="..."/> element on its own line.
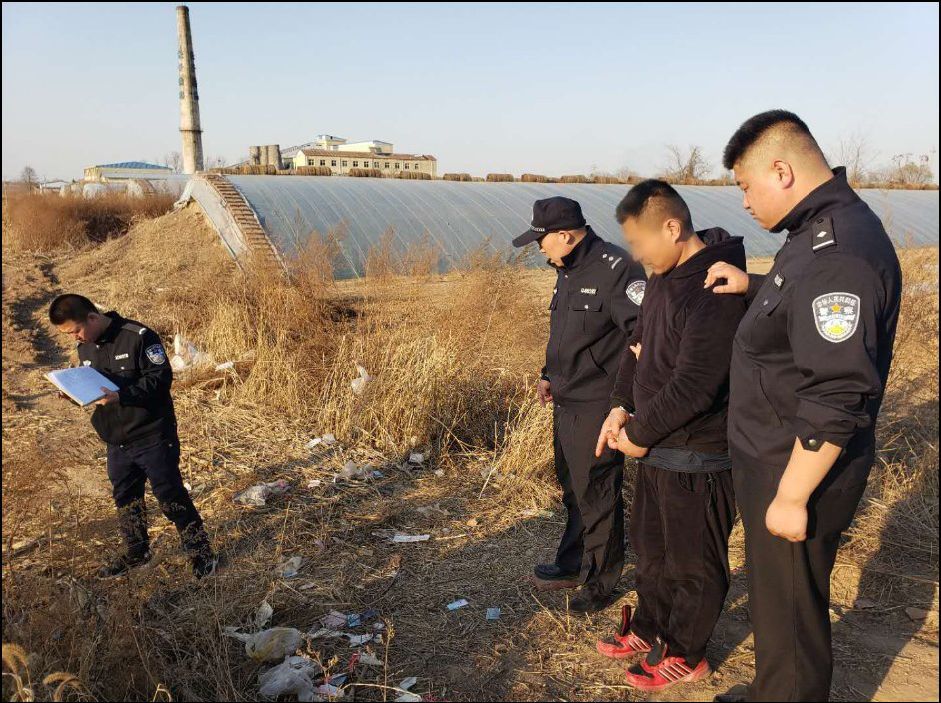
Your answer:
<point x="120" y="356"/>
<point x="836" y="315"/>
<point x="589" y="291"/>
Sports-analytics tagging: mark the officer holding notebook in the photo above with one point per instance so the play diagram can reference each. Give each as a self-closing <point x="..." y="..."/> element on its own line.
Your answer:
<point x="138" y="424"/>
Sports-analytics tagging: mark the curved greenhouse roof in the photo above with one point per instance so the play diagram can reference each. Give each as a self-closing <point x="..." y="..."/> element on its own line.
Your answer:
<point x="460" y="216"/>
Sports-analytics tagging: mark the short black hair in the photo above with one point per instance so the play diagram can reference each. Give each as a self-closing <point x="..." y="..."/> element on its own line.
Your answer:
<point x="638" y="198"/>
<point x="752" y="129"/>
<point x="70" y="307"/>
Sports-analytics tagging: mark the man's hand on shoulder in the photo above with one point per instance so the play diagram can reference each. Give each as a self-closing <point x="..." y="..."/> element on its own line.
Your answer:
<point x="736" y="280"/>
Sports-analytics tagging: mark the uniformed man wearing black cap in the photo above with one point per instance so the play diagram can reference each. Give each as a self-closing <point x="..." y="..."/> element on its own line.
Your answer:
<point x="138" y="424"/>
<point x="595" y="303"/>
<point x="809" y="367"/>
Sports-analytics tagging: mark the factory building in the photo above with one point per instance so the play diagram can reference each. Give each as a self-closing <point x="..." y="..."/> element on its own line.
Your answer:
<point x="340" y="156"/>
<point x="126" y="170"/>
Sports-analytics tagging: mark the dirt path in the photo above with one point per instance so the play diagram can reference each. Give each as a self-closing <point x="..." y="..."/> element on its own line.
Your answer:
<point x="536" y="650"/>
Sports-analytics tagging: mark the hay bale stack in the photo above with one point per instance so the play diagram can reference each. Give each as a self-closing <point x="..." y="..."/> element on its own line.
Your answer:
<point x="457" y="177"/>
<point x="607" y="179"/>
<point x="500" y="178"/>
<point x="365" y="173"/>
<point x="313" y="171"/>
<point x="533" y="178"/>
<point x="413" y="175"/>
<point x="574" y="179"/>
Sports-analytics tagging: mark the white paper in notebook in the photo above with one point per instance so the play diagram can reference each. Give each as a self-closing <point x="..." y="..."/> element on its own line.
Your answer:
<point x="82" y="384"/>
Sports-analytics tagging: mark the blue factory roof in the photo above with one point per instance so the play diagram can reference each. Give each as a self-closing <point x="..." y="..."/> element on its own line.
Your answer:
<point x="460" y="216"/>
<point x="134" y="164"/>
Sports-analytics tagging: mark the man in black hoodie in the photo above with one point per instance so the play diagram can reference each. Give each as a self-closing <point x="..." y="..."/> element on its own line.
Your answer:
<point x="670" y="404"/>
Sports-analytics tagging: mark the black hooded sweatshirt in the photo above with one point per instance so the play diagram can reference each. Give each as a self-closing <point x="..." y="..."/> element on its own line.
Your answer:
<point x="678" y="391"/>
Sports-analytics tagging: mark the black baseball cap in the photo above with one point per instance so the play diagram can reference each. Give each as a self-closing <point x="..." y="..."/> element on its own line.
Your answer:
<point x="552" y="215"/>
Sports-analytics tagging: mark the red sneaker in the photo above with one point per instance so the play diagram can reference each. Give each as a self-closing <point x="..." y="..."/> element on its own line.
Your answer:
<point x="625" y="643"/>
<point x="667" y="672"/>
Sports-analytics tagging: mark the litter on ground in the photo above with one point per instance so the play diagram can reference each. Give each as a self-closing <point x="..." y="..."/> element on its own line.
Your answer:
<point x="462" y="603"/>
<point x="258" y="494"/>
<point x="493" y="613"/>
<point x="289" y="568"/>
<point x="268" y="645"/>
<point x="294" y="676"/>
<point x="358" y="384"/>
<point x="404" y="539"/>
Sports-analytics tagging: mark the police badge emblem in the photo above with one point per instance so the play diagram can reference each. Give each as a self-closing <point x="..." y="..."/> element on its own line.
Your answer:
<point x="156" y="354"/>
<point x="836" y="315"/>
<point x="635" y="291"/>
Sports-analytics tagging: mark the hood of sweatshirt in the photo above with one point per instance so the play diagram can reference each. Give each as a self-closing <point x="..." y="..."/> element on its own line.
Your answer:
<point x="720" y="246"/>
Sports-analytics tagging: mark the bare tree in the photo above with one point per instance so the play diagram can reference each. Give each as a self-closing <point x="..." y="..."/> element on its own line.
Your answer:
<point x="912" y="169"/>
<point x="215" y="162"/>
<point x="686" y="167"/>
<point x="854" y="153"/>
<point x="174" y="160"/>
<point x="29" y="176"/>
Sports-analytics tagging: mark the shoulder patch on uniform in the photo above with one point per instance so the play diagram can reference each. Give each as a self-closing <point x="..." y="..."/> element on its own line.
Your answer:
<point x="131" y="327"/>
<point x="822" y="233"/>
<point x="836" y="315"/>
<point x="616" y="262"/>
<point x="156" y="354"/>
<point x="635" y="291"/>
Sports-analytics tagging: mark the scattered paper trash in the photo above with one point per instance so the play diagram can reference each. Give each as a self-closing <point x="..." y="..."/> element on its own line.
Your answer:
<point x="405" y="539"/>
<point x="225" y="366"/>
<point x="327" y="440"/>
<point x="258" y="494"/>
<point x="408" y="696"/>
<point x="289" y="568"/>
<point x="186" y="355"/>
<point x="352" y="471"/>
<point x="416" y="458"/>
<point x="358" y="384"/>
<point x="329" y="691"/>
<point x="314" y="483"/>
<point x="263" y="615"/>
<point x="368" y="659"/>
<point x="360" y="640"/>
<point x="333" y="619"/>
<point x="493" y="613"/>
<point x="268" y="645"/>
<point x="294" y="676"/>
<point x="462" y="603"/>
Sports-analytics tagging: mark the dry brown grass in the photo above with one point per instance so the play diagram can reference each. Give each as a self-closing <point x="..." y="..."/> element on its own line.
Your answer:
<point x="46" y="222"/>
<point x="454" y="360"/>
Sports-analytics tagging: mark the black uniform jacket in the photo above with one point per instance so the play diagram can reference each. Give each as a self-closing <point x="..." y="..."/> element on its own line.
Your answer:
<point x="812" y="354"/>
<point x="596" y="300"/>
<point x="131" y="356"/>
<point x="679" y="388"/>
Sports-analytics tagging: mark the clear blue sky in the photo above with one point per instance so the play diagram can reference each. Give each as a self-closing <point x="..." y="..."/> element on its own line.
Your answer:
<point x="547" y="88"/>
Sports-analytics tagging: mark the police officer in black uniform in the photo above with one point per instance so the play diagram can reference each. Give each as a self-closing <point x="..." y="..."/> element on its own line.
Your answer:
<point x="139" y="426"/>
<point x="809" y="367"/>
<point x="595" y="303"/>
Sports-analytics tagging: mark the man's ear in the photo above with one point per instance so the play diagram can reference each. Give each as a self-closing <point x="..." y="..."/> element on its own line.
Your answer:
<point x="784" y="173"/>
<point x="673" y="229"/>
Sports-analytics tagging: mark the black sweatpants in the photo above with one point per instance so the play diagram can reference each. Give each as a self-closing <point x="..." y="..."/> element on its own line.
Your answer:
<point x="593" y="542"/>
<point x="679" y="529"/>
<point x="129" y="467"/>
<point x="789" y="586"/>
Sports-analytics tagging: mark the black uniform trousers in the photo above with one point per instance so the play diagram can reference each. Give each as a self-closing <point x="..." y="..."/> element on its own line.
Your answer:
<point x="593" y="542"/>
<point x="157" y="460"/>
<point x="679" y="528"/>
<point x="789" y="586"/>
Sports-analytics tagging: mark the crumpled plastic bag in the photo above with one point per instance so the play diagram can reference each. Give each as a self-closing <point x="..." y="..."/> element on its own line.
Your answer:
<point x="268" y="645"/>
<point x="186" y="355"/>
<point x="358" y="384"/>
<point x="294" y="676"/>
<point x="258" y="494"/>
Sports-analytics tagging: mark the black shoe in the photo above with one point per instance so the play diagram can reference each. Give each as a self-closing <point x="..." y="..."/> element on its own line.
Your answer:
<point x="122" y="564"/>
<point x="204" y="565"/>
<point x="590" y="600"/>
<point x="736" y="694"/>
<point x="551" y="572"/>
